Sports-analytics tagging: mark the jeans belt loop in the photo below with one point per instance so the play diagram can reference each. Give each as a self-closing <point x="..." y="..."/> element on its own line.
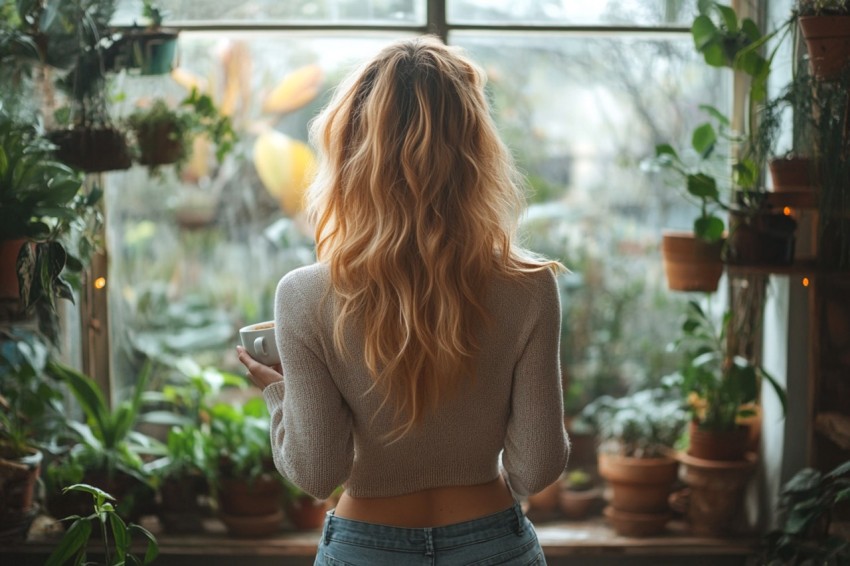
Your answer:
<point x="520" y="519"/>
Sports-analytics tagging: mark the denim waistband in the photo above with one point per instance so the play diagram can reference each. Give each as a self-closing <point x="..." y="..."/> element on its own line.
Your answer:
<point x="444" y="537"/>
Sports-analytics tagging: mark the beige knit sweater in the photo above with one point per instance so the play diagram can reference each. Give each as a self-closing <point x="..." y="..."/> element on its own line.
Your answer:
<point x="323" y="433"/>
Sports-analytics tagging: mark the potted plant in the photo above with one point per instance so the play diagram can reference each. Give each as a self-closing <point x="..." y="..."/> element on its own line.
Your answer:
<point x="721" y="390"/>
<point x="806" y="506"/>
<point x="758" y="233"/>
<point x="579" y="494"/>
<point x="151" y="49"/>
<point x="636" y="435"/>
<point x="30" y="417"/>
<point x="88" y="139"/>
<point x="305" y="512"/>
<point x="248" y="488"/>
<point x="105" y="451"/>
<point x="47" y="222"/>
<point x="117" y="536"/>
<point x="164" y="135"/>
<point x="826" y="28"/>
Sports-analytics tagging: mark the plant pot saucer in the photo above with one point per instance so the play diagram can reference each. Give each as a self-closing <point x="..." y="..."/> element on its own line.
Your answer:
<point x="749" y="461"/>
<point x="252" y="526"/>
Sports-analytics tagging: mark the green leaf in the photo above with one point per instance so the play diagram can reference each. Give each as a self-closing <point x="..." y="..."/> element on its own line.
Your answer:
<point x="709" y="228"/>
<point x="745" y="173"/>
<point x="152" y="550"/>
<point x="751" y="30"/>
<point x="702" y="186"/>
<point x="73" y="540"/>
<point x="87" y="393"/>
<point x="716" y="114"/>
<point x="666" y="149"/>
<point x="714" y="55"/>
<point x="840" y="470"/>
<point x="704" y="139"/>
<point x="120" y="534"/>
<point x="730" y="19"/>
<point x="703" y="31"/>
<point x="95" y="492"/>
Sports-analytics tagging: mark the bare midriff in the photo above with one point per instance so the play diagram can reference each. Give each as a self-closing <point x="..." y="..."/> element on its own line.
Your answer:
<point x="430" y="507"/>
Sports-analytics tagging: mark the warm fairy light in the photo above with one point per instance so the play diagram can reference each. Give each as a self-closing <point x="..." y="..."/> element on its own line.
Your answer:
<point x="805" y="281"/>
<point x="100" y="283"/>
<point x="787" y="211"/>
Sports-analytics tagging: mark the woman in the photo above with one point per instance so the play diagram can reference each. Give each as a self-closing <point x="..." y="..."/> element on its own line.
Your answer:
<point x="420" y="364"/>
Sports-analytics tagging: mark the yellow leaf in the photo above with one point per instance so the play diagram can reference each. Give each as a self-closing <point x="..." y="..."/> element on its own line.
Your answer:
<point x="296" y="89"/>
<point x="285" y="166"/>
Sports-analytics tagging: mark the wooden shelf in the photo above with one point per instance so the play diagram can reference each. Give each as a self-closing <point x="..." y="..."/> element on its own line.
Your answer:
<point x="808" y="268"/>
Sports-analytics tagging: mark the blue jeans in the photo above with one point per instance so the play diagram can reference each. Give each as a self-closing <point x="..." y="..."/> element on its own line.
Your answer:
<point x="506" y="537"/>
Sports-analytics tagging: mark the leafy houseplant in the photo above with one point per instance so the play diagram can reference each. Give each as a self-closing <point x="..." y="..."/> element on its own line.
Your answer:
<point x="165" y="135"/>
<point x="41" y="205"/>
<point x="116" y="534"/>
<point x="106" y="451"/>
<point x="719" y="387"/>
<point x="30" y="417"/>
<point x="248" y="487"/>
<point x="636" y="435"/>
<point x="579" y="494"/>
<point x="806" y="505"/>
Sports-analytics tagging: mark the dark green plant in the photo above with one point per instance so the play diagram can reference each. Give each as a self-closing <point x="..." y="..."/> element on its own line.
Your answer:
<point x="152" y="11"/>
<point x="107" y="441"/>
<point x="240" y="435"/>
<point x="806" y="507"/>
<point x="43" y="202"/>
<point x="30" y="402"/>
<point x="645" y="424"/>
<point x="117" y="535"/>
<point x="196" y="115"/>
<point x="716" y="383"/>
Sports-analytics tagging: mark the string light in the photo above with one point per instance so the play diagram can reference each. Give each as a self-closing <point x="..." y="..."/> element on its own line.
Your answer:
<point x="805" y="281"/>
<point x="100" y="283"/>
<point x="787" y="211"/>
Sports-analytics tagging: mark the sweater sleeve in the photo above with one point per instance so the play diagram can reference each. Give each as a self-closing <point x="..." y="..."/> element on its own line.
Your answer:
<point x="311" y="425"/>
<point x="536" y="444"/>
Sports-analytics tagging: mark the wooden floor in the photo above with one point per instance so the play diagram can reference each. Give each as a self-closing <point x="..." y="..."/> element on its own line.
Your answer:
<point x="589" y="542"/>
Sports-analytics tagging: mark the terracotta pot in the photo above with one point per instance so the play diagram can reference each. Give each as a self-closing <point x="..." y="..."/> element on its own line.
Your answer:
<point x="577" y="504"/>
<point x="636" y="524"/>
<point x="18" y="479"/>
<point x="9" y="250"/>
<point x="828" y="42"/>
<point x="639" y="485"/>
<point x="691" y="264"/>
<point x="766" y="238"/>
<point x="241" y="498"/>
<point x="544" y="504"/>
<point x="793" y="173"/>
<point x="179" y="511"/>
<point x="306" y="513"/>
<point x="718" y="445"/>
<point x="716" y="491"/>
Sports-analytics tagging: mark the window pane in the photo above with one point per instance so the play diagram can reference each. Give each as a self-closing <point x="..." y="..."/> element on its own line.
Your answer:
<point x="581" y="114"/>
<point x="397" y="12"/>
<point x="570" y="12"/>
<point x="195" y="256"/>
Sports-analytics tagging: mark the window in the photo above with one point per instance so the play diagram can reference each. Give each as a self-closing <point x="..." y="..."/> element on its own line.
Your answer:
<point x="582" y="92"/>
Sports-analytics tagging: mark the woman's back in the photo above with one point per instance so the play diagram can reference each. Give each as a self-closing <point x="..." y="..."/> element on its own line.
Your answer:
<point x="513" y="402"/>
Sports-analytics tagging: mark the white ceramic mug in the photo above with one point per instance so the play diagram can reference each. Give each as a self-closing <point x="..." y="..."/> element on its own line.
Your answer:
<point x="258" y="339"/>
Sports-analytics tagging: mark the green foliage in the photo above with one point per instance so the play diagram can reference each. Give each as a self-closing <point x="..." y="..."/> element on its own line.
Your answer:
<point x="240" y="435"/>
<point x="578" y="480"/>
<point x="31" y="414"/>
<point x="721" y="383"/>
<point x="644" y="424"/>
<point x="153" y="12"/>
<point x="43" y="201"/>
<point x="196" y="115"/>
<point x="117" y="535"/>
<point x="107" y="440"/>
<point x="806" y="506"/>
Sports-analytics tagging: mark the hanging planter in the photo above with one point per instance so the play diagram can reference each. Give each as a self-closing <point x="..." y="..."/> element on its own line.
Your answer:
<point x="828" y="42"/>
<point x="690" y="263"/>
<point x="92" y="149"/>
<point x="148" y="51"/>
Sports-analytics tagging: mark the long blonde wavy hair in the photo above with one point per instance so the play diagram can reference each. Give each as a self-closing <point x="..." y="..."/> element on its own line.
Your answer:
<point x="415" y="207"/>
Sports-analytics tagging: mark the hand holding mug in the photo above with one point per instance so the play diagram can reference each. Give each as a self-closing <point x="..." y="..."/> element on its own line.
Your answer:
<point x="259" y="354"/>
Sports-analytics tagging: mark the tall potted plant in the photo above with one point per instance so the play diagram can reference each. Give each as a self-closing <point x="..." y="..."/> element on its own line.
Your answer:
<point x="722" y="390"/>
<point x="30" y="418"/>
<point x="47" y="223"/>
<point x="636" y="436"/>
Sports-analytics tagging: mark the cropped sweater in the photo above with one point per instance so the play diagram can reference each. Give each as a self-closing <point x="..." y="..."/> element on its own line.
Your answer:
<point x="326" y="430"/>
